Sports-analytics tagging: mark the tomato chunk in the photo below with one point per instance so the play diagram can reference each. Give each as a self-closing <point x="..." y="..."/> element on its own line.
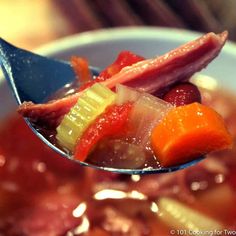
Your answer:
<point x="125" y="58"/>
<point x="111" y="122"/>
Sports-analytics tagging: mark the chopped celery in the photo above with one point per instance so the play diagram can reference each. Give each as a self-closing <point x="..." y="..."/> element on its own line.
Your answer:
<point x="179" y="216"/>
<point x="90" y="104"/>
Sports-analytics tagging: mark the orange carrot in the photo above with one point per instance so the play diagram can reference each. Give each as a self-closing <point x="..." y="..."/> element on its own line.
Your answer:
<point x="81" y="69"/>
<point x="187" y="132"/>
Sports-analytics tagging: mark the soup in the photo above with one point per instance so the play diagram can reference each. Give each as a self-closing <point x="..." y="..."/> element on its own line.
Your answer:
<point x="113" y="120"/>
<point x="44" y="194"/>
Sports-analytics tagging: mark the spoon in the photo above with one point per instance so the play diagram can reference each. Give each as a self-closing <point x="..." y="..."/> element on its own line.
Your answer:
<point x="32" y="77"/>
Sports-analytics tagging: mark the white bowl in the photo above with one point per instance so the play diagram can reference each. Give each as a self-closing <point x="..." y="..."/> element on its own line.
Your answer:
<point x="102" y="46"/>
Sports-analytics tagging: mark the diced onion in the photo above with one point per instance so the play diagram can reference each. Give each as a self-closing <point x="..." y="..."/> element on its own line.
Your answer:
<point x="126" y="94"/>
<point x="119" y="153"/>
<point x="147" y="111"/>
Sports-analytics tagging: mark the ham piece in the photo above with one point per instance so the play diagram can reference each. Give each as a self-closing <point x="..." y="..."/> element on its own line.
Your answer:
<point x="150" y="75"/>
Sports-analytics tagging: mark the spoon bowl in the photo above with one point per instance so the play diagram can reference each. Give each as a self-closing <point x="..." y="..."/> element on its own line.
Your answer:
<point x="35" y="78"/>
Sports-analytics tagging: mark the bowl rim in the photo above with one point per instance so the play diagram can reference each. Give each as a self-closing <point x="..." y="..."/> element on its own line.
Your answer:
<point x="122" y="33"/>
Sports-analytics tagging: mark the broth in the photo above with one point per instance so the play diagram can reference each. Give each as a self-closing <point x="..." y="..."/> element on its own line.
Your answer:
<point x="44" y="194"/>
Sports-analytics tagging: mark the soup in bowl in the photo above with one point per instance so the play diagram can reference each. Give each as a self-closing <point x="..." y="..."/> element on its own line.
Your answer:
<point x="42" y="193"/>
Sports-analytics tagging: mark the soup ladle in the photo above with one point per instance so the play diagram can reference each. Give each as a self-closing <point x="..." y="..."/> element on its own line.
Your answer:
<point x="32" y="77"/>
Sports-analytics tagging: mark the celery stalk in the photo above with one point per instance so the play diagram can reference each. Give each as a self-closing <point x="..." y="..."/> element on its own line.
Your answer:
<point x="90" y="104"/>
<point x="179" y="216"/>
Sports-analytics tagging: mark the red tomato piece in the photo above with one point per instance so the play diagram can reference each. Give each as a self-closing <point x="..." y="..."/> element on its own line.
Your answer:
<point x="111" y="122"/>
<point x="125" y="58"/>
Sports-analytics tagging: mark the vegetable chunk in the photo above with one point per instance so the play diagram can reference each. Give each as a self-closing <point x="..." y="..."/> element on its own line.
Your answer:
<point x="92" y="103"/>
<point x="108" y="123"/>
<point x="187" y="132"/>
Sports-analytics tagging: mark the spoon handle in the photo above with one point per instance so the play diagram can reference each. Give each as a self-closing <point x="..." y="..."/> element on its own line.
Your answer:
<point x="32" y="76"/>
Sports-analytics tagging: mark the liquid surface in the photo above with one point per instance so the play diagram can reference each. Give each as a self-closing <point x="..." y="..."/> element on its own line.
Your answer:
<point x="44" y="194"/>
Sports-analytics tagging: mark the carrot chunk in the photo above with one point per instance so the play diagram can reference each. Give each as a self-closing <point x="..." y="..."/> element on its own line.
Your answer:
<point x="81" y="68"/>
<point x="187" y="132"/>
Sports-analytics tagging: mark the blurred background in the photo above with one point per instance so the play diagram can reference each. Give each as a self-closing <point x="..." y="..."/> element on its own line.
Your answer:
<point x="30" y="24"/>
